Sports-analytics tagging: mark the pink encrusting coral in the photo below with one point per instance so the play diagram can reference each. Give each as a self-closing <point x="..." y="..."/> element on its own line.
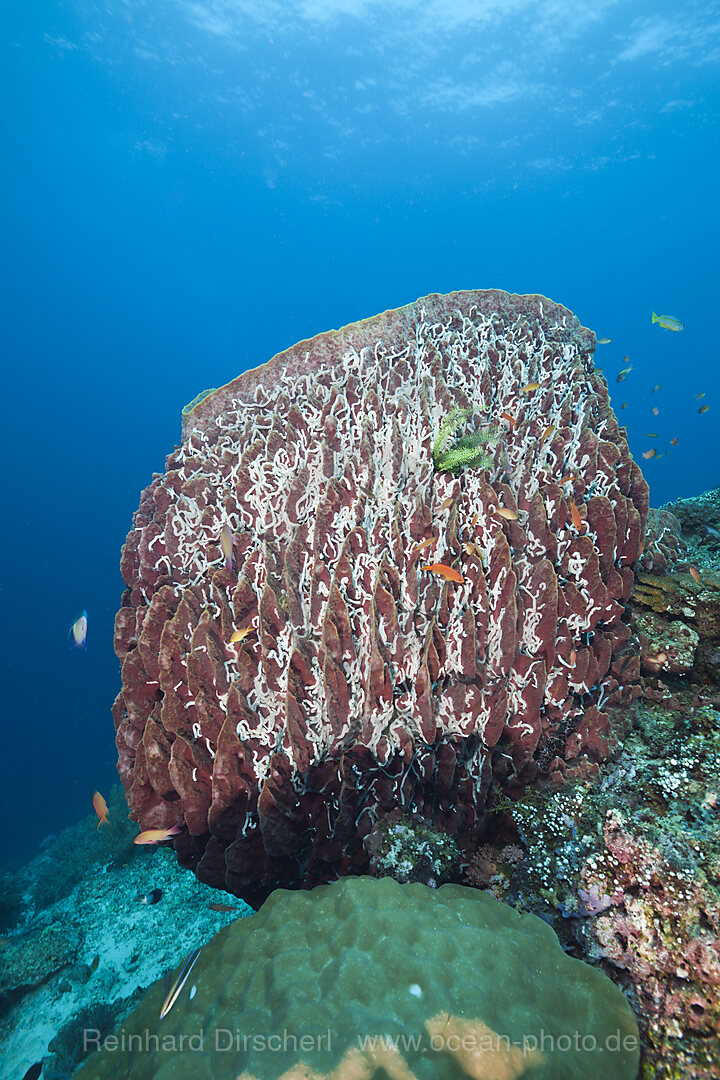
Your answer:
<point x="368" y="683"/>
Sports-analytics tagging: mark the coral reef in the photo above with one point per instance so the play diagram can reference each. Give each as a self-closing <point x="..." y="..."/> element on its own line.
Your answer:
<point x="77" y="956"/>
<point x="370" y="979"/>
<point x="628" y="874"/>
<point x="369" y="683"/>
<point x="699" y="518"/>
<point x="408" y="849"/>
<point x="677" y="621"/>
<point x="30" y="959"/>
<point x="664" y="645"/>
<point x="664" y="545"/>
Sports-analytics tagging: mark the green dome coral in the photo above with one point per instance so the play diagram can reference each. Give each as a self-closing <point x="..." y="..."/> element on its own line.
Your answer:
<point x="368" y="979"/>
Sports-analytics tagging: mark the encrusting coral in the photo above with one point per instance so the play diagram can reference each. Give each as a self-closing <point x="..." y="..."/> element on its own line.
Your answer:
<point x="627" y="872"/>
<point x="303" y="506"/>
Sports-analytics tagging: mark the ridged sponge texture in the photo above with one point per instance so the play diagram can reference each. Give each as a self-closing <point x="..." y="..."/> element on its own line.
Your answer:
<point x="292" y="670"/>
<point x="368" y="979"/>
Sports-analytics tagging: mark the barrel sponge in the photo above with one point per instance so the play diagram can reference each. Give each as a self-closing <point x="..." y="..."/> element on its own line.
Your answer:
<point x="368" y="979"/>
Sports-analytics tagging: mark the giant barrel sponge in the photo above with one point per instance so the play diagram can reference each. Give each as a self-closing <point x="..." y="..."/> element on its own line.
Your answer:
<point x="370" y="980"/>
<point x="469" y="432"/>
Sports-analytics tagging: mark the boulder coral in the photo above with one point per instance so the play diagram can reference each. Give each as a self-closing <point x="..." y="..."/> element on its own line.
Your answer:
<point x="291" y="668"/>
<point x="366" y="979"/>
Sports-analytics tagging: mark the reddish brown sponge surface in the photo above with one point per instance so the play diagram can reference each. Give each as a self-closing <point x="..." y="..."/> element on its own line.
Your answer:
<point x="369" y="683"/>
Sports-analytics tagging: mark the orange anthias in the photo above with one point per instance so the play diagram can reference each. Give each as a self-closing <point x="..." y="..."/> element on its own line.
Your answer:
<point x="421" y="547"/>
<point x="575" y="517"/>
<point x="100" y="808"/>
<point x="444" y="571"/>
<point x="156" y="836"/>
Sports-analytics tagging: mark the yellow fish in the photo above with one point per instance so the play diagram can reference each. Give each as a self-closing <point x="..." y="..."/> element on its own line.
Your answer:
<point x="227" y="540"/>
<point x="240" y="635"/>
<point x="668" y="322"/>
<point x="531" y="386"/>
<point x="604" y="340"/>
<point x="421" y="547"/>
<point x="548" y="431"/>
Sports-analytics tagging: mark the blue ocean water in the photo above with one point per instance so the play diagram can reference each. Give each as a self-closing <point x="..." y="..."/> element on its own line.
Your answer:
<point x="190" y="187"/>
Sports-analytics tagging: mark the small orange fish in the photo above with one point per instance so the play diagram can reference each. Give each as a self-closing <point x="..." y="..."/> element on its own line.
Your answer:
<point x="674" y="442"/>
<point x="530" y="388"/>
<point x="575" y="517"/>
<point x="444" y="571"/>
<point x="447" y="504"/>
<point x="510" y="419"/>
<point x="694" y="574"/>
<point x="703" y="408"/>
<point x="474" y="521"/>
<point x="156" y="836"/>
<point x="568" y="478"/>
<point x="507" y="513"/>
<point x="468" y="549"/>
<point x="100" y="808"/>
<point x="421" y="547"/>
<point x="649" y="453"/>
<point x="572" y="658"/>
<point x="655" y="411"/>
<point x="548" y="431"/>
<point x="240" y="635"/>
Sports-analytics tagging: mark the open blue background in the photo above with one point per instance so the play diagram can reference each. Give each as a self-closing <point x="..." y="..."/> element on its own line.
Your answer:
<point x="190" y="187"/>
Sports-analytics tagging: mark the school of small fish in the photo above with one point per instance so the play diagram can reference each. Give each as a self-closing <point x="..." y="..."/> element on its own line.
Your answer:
<point x="666" y="322"/>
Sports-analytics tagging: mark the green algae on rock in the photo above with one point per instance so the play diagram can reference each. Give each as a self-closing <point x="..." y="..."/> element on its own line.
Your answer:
<point x="367" y="978"/>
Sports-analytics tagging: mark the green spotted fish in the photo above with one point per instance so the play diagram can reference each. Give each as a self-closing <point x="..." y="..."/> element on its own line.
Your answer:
<point x="668" y="322"/>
